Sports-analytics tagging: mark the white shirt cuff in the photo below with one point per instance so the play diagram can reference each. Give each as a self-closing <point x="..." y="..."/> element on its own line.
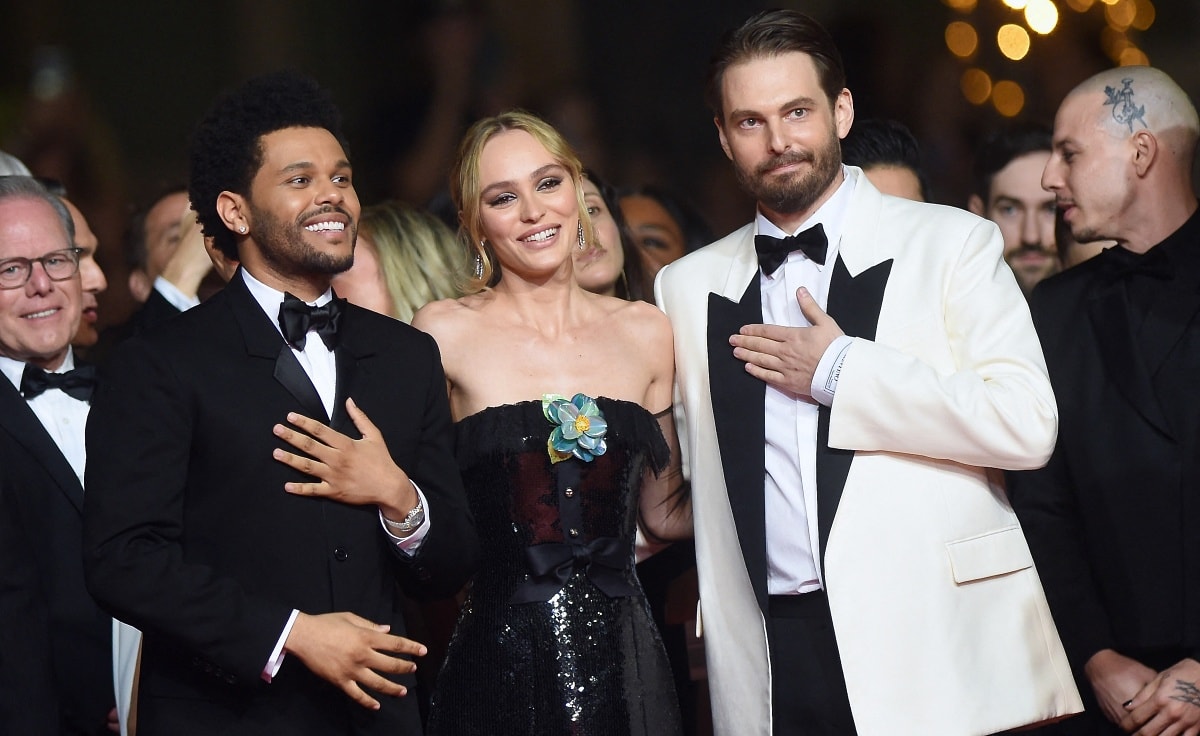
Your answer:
<point x="829" y="369"/>
<point x="277" y="654"/>
<point x="172" y="294"/>
<point x="410" y="544"/>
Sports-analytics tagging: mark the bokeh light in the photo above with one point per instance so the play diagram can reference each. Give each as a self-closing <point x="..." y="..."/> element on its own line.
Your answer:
<point x="1133" y="56"/>
<point x="1016" y="4"/>
<point x="1144" y="14"/>
<point x="976" y="86"/>
<point x="965" y="6"/>
<point x="1081" y="6"/>
<point x="961" y="39"/>
<point x="1120" y="14"/>
<point x="1008" y="98"/>
<point x="1041" y="16"/>
<point x="1013" y="41"/>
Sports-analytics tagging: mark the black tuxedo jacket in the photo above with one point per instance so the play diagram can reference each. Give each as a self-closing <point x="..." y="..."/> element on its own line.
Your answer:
<point x="55" y="642"/>
<point x="1114" y="519"/>
<point x="189" y="535"/>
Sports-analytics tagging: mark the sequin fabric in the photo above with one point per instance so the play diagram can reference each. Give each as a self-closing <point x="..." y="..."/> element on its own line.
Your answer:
<point x="580" y="663"/>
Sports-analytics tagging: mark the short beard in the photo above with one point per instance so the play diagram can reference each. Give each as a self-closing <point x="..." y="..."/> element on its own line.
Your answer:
<point x="285" y="249"/>
<point x="798" y="191"/>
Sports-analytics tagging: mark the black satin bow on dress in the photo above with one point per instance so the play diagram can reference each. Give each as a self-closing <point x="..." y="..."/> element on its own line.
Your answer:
<point x="78" y="383"/>
<point x="551" y="565"/>
<point x="772" y="252"/>
<point x="297" y="319"/>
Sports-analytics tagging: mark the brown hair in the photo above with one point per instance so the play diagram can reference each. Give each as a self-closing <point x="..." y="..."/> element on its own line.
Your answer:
<point x="771" y="33"/>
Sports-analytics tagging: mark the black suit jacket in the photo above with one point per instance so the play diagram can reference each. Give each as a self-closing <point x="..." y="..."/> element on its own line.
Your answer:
<point x="55" y="642"/>
<point x="1114" y="519"/>
<point x="190" y="536"/>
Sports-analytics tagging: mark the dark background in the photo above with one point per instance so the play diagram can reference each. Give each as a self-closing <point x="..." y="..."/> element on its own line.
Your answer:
<point x="103" y="95"/>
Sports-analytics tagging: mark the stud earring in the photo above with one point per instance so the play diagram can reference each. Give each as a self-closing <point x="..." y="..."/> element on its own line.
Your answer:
<point x="242" y="229"/>
<point x="582" y="242"/>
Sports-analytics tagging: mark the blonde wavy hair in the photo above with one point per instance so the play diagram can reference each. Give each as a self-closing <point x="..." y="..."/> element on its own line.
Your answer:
<point x="465" y="186"/>
<point x="419" y="256"/>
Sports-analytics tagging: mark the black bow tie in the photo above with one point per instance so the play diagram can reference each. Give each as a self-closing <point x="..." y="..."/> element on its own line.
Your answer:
<point x="1154" y="263"/>
<point x="297" y="319"/>
<point x="772" y="252"/>
<point x="78" y="383"/>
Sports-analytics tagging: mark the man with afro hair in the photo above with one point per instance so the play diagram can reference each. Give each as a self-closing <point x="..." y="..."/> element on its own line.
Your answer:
<point x="269" y="470"/>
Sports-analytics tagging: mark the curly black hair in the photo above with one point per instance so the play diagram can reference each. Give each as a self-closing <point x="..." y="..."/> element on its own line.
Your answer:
<point x="226" y="147"/>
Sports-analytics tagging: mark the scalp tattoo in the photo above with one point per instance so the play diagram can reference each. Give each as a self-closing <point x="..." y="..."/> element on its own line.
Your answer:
<point x="1124" y="111"/>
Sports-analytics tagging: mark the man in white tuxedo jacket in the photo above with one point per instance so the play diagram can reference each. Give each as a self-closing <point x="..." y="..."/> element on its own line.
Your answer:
<point x="861" y="569"/>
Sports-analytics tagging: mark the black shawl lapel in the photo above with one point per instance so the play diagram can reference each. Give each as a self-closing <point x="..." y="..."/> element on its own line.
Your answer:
<point x="738" y="405"/>
<point x="264" y="341"/>
<point x="1165" y="326"/>
<point x="20" y="421"/>
<point x="355" y="347"/>
<point x="854" y="302"/>
<point x="1109" y="314"/>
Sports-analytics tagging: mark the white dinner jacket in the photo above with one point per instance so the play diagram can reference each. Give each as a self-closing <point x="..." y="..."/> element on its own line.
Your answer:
<point x="942" y="625"/>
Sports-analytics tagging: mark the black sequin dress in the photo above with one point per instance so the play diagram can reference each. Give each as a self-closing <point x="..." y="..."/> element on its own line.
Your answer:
<point x="555" y="636"/>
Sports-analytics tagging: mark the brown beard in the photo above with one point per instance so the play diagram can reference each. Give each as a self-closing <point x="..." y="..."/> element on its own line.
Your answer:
<point x="795" y="192"/>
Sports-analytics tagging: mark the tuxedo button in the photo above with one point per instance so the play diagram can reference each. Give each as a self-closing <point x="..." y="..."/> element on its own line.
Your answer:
<point x="573" y="532"/>
<point x="569" y="493"/>
<point x="422" y="573"/>
<point x="341" y="555"/>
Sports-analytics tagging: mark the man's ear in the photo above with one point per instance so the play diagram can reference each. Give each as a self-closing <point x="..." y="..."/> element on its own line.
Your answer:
<point x="975" y="205"/>
<point x="721" y="136"/>
<point x="140" y="285"/>
<point x="1145" y="150"/>
<point x="233" y="211"/>
<point x="843" y="112"/>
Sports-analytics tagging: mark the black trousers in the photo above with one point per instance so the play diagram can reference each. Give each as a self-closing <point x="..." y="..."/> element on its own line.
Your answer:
<point x="808" y="689"/>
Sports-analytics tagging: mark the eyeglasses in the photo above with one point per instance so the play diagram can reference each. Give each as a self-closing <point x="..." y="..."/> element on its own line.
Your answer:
<point x="59" y="265"/>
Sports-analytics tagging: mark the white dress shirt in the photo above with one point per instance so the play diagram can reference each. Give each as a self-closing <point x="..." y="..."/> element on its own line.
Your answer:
<point x="791" y="419"/>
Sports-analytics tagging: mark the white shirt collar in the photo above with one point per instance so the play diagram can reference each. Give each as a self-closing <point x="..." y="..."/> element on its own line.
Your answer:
<point x="270" y="298"/>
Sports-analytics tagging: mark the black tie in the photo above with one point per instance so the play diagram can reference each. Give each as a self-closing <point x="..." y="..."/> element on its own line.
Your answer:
<point x="296" y="319"/>
<point x="78" y="383"/>
<point x="772" y="252"/>
<point x="1123" y="263"/>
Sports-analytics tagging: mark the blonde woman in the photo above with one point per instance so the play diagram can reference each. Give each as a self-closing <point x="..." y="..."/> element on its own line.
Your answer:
<point x="564" y="436"/>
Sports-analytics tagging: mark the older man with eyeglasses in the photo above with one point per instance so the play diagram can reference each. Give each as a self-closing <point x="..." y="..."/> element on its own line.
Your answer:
<point x="55" y="643"/>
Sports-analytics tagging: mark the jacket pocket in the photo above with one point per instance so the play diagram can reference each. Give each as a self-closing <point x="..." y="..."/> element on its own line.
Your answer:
<point x="990" y="554"/>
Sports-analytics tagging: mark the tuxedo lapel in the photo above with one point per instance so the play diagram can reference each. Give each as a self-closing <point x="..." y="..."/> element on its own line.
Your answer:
<point x="1170" y="318"/>
<point x="1123" y="361"/>
<point x="355" y="348"/>
<point x="264" y="341"/>
<point x="738" y="405"/>
<point x="26" y="429"/>
<point x="854" y="303"/>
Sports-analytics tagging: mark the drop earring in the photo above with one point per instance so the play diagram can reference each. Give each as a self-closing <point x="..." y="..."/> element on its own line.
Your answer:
<point x="478" y="266"/>
<point x="582" y="242"/>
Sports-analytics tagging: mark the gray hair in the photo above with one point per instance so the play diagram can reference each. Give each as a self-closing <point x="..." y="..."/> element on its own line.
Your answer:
<point x="10" y="165"/>
<point x="26" y="187"/>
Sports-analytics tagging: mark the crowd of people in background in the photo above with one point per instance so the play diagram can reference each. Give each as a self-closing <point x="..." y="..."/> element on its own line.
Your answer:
<point x="926" y="469"/>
